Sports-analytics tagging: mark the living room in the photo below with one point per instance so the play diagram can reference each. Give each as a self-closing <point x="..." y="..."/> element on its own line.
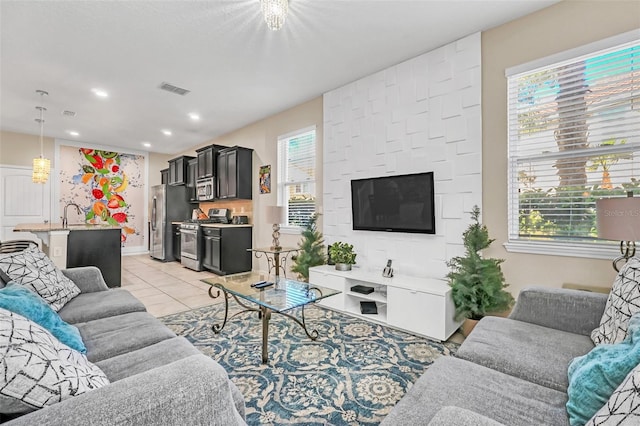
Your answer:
<point x="560" y="27"/>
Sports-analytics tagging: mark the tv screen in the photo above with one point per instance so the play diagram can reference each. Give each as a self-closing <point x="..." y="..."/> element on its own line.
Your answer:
<point x="402" y="203"/>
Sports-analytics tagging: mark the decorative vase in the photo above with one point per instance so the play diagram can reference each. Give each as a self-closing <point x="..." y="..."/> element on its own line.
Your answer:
<point x="467" y="326"/>
<point x="343" y="266"/>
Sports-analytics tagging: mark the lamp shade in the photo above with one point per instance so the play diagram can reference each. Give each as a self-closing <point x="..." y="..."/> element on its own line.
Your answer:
<point x="619" y="218"/>
<point x="275" y="214"/>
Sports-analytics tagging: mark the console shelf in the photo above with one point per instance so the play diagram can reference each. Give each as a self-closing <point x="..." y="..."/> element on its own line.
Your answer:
<point x="421" y="306"/>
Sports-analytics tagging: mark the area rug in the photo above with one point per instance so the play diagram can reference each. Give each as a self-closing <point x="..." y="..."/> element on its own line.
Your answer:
<point x="352" y="375"/>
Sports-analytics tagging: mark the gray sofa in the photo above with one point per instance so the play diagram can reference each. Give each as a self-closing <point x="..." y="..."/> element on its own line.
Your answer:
<point x="156" y="377"/>
<point x="509" y="371"/>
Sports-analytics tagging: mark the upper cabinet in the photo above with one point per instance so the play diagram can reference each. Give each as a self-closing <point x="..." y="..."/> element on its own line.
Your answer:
<point x="234" y="173"/>
<point x="164" y="176"/>
<point x="192" y="176"/>
<point x="207" y="161"/>
<point x="178" y="170"/>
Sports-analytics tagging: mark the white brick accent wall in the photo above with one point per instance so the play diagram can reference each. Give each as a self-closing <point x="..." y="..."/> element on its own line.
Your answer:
<point x="418" y="116"/>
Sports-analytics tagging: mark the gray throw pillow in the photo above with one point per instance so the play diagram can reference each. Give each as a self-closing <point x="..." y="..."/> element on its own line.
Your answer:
<point x="623" y="407"/>
<point x="36" y="370"/>
<point x="622" y="304"/>
<point x="34" y="270"/>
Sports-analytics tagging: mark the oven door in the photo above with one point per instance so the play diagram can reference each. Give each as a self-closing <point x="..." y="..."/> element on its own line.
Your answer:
<point x="191" y="248"/>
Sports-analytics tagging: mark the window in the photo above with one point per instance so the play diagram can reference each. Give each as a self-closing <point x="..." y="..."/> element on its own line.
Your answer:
<point x="574" y="137"/>
<point x="297" y="176"/>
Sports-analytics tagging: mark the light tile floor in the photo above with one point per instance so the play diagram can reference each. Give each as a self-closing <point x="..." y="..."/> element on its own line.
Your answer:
<point x="167" y="287"/>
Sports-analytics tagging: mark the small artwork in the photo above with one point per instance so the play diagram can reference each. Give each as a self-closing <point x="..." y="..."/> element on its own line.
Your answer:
<point x="265" y="179"/>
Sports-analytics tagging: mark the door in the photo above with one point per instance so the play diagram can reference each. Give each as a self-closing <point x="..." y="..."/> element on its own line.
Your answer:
<point x="222" y="175"/>
<point x="158" y="219"/>
<point x="212" y="250"/>
<point x="23" y="201"/>
<point x="175" y="231"/>
<point x="232" y="174"/>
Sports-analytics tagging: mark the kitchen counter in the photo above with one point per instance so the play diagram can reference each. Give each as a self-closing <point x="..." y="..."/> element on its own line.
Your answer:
<point x="48" y="227"/>
<point x="218" y="225"/>
<point x="80" y="245"/>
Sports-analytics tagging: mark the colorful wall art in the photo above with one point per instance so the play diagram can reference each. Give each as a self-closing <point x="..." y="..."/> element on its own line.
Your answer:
<point x="108" y="187"/>
<point x="265" y="179"/>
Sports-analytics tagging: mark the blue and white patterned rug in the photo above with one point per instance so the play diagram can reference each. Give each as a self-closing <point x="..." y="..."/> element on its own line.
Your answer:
<point x="352" y="375"/>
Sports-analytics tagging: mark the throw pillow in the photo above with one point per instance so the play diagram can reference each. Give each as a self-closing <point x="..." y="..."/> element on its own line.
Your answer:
<point x="37" y="370"/>
<point x="593" y="377"/>
<point x="623" y="408"/>
<point x="25" y="302"/>
<point x="34" y="270"/>
<point x="623" y="302"/>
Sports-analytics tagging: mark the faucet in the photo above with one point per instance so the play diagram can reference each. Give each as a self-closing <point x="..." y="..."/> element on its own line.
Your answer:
<point x="64" y="218"/>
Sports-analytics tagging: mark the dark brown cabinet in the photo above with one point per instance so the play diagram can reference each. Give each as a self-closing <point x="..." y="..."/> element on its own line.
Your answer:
<point x="207" y="161"/>
<point x="225" y="249"/>
<point x="234" y="173"/>
<point x="164" y="176"/>
<point x="100" y="248"/>
<point x="178" y="170"/>
<point x="175" y="236"/>
<point x="192" y="177"/>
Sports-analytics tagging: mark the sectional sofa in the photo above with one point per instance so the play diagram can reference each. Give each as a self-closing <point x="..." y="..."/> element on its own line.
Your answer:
<point x="509" y="371"/>
<point x="155" y="377"/>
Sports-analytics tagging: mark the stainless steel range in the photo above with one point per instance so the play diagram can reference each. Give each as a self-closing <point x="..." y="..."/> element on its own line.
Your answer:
<point x="192" y="238"/>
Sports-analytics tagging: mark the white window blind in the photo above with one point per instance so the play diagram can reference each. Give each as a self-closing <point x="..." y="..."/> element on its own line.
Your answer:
<point x="297" y="175"/>
<point x="574" y="137"/>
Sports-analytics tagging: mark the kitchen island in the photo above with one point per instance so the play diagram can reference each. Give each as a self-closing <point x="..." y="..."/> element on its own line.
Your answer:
<point x="81" y="245"/>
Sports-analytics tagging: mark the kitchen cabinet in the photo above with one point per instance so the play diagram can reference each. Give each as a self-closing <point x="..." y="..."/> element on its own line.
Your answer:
<point x="192" y="177"/>
<point x="175" y="236"/>
<point x="226" y="249"/>
<point x="97" y="247"/>
<point x="234" y="173"/>
<point x="164" y="176"/>
<point x="178" y="170"/>
<point x="207" y="161"/>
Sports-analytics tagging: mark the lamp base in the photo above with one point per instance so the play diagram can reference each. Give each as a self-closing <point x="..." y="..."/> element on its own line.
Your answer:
<point x="627" y="250"/>
<point x="275" y="242"/>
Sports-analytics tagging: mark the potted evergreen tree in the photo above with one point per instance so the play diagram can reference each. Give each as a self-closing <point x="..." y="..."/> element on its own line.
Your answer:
<point x="342" y="255"/>
<point x="311" y="250"/>
<point x="477" y="284"/>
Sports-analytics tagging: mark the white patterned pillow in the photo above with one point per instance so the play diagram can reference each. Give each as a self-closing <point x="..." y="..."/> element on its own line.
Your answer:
<point x="622" y="304"/>
<point x="623" y="407"/>
<point x="34" y="270"/>
<point x="37" y="370"/>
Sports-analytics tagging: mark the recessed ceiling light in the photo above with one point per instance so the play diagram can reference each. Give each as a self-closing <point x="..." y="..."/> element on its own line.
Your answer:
<point x="146" y="144"/>
<point x="194" y="116"/>
<point x="73" y="133"/>
<point x="100" y="93"/>
<point x="166" y="132"/>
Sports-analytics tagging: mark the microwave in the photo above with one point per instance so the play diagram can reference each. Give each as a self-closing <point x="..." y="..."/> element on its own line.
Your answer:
<point x="205" y="189"/>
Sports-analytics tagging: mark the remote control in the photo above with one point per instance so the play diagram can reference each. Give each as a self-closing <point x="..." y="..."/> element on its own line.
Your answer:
<point x="263" y="285"/>
<point x="258" y="283"/>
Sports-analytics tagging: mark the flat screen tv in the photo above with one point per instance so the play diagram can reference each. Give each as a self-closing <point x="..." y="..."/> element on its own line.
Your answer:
<point x="403" y="203"/>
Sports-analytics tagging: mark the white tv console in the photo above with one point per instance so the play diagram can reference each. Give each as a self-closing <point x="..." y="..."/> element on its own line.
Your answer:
<point x="421" y="306"/>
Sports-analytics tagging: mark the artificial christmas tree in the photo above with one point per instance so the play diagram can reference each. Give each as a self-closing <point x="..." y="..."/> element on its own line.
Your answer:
<point x="311" y="250"/>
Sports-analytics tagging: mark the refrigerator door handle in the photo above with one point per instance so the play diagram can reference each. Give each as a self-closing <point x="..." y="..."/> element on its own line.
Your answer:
<point x="153" y="215"/>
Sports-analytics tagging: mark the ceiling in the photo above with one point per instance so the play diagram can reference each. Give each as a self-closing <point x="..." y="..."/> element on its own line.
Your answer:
<point x="238" y="71"/>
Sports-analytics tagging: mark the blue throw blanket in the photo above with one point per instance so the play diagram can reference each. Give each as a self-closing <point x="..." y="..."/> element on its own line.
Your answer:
<point x="593" y="377"/>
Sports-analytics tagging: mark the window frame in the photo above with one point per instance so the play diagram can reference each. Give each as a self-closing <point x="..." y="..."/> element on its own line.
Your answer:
<point x="597" y="249"/>
<point x="282" y="167"/>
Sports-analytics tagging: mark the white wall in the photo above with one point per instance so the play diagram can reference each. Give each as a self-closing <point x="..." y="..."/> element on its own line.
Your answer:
<point x="418" y="116"/>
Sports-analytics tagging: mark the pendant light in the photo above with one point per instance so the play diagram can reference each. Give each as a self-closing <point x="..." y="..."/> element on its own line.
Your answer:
<point x="41" y="165"/>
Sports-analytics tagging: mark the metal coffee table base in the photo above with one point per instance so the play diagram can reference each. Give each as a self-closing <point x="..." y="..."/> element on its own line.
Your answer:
<point x="264" y="313"/>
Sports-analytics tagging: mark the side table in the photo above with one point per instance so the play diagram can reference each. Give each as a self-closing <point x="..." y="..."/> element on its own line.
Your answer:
<point x="276" y="258"/>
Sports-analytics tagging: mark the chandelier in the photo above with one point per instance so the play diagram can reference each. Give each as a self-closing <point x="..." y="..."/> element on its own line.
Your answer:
<point x="275" y="12"/>
<point x="41" y="165"/>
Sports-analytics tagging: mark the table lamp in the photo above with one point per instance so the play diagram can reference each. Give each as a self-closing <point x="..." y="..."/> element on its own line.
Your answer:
<point x="275" y="215"/>
<point x="619" y="220"/>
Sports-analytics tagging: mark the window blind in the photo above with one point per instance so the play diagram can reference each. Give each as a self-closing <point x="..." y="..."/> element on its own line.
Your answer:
<point x="574" y="137"/>
<point x="297" y="176"/>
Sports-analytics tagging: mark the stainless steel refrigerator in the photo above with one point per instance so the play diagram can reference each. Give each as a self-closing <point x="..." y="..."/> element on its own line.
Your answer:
<point x="168" y="204"/>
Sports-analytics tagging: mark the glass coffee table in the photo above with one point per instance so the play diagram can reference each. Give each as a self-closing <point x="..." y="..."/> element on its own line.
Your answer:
<point x="278" y="298"/>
